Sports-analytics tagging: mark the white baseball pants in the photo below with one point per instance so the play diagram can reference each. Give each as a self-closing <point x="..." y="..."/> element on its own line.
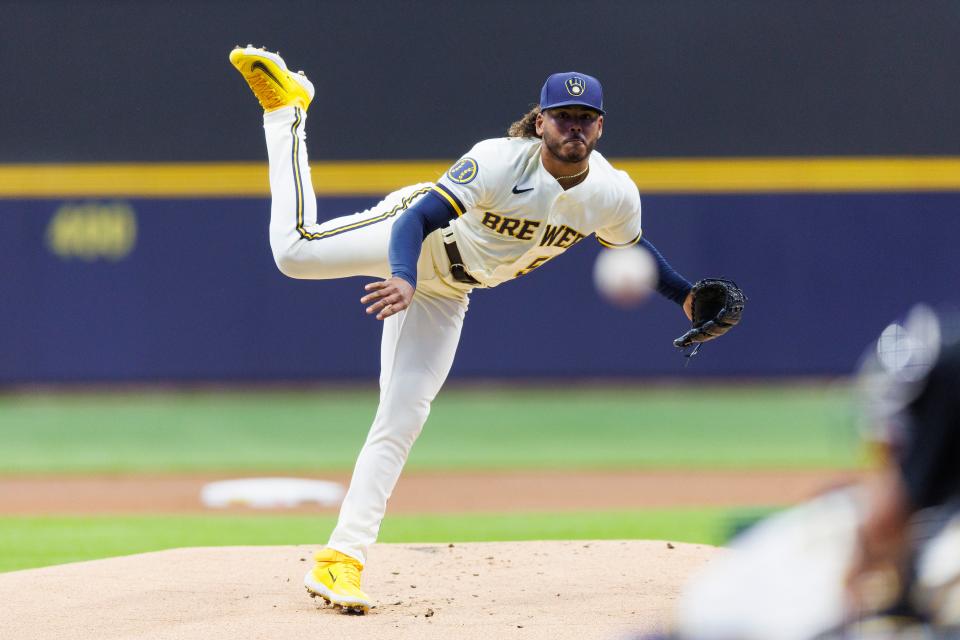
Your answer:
<point x="418" y="344"/>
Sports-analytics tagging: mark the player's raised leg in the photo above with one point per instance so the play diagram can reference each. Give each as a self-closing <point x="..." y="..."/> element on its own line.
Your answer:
<point x="347" y="246"/>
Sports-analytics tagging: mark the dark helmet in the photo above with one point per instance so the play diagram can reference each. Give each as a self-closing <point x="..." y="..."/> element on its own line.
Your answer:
<point x="910" y="387"/>
<point x="893" y="370"/>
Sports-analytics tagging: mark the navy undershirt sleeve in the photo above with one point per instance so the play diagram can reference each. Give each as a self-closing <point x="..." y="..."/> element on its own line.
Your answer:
<point x="670" y="284"/>
<point x="429" y="213"/>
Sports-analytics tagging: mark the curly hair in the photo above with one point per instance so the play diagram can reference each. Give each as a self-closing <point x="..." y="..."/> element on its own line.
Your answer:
<point x="525" y="127"/>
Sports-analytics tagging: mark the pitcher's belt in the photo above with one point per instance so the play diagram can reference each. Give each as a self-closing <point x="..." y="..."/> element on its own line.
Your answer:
<point x="457" y="270"/>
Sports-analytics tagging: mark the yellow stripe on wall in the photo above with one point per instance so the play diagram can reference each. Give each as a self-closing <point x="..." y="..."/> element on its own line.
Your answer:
<point x="751" y="175"/>
<point x="187" y="180"/>
<point x="249" y="179"/>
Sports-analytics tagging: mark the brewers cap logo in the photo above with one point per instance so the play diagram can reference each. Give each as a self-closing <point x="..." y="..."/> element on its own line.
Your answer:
<point x="464" y="171"/>
<point x="575" y="86"/>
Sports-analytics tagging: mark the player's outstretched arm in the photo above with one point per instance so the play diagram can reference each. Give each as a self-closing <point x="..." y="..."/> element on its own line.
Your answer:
<point x="713" y="305"/>
<point x="670" y="284"/>
<point x="390" y="296"/>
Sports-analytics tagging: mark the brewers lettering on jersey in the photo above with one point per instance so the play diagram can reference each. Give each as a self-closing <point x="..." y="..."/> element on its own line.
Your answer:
<point x="513" y="215"/>
<point x="507" y="207"/>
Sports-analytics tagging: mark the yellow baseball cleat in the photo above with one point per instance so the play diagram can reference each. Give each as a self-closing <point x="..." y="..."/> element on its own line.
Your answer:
<point x="272" y="83"/>
<point x="336" y="579"/>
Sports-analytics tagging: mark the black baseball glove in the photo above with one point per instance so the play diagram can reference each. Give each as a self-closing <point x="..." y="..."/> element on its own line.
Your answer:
<point x="717" y="308"/>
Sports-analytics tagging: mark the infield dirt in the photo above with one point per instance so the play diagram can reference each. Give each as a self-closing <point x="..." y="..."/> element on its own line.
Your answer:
<point x="417" y="493"/>
<point x="607" y="590"/>
<point x="579" y="590"/>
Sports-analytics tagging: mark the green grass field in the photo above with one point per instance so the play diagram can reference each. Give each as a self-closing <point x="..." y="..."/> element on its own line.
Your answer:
<point x="566" y="428"/>
<point x="742" y="427"/>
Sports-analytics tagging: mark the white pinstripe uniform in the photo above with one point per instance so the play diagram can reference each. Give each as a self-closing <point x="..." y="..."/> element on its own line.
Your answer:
<point x="513" y="216"/>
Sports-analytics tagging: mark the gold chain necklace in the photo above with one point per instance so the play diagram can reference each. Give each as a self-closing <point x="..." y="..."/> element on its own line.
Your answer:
<point x="576" y="175"/>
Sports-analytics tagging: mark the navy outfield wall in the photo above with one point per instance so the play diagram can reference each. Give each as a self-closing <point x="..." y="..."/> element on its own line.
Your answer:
<point x="143" y="286"/>
<point x="186" y="290"/>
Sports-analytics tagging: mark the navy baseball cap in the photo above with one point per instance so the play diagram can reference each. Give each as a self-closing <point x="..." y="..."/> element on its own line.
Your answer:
<point x="571" y="88"/>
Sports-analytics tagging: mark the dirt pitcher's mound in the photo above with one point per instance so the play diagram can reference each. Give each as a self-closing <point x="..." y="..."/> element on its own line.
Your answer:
<point x="524" y="590"/>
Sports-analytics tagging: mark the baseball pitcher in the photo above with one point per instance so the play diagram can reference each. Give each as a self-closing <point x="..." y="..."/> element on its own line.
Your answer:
<point x="504" y="209"/>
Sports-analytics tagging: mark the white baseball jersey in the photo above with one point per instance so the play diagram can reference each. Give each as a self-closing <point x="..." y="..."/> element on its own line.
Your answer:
<point x="514" y="216"/>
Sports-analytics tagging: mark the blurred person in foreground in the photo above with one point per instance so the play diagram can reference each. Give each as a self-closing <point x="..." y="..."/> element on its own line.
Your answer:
<point x="880" y="559"/>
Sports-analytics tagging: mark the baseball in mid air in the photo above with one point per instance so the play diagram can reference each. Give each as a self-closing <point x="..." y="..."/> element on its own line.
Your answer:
<point x="625" y="277"/>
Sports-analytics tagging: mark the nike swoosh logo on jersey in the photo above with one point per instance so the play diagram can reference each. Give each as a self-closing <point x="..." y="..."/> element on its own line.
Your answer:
<point x="515" y="190"/>
<point x="262" y="67"/>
